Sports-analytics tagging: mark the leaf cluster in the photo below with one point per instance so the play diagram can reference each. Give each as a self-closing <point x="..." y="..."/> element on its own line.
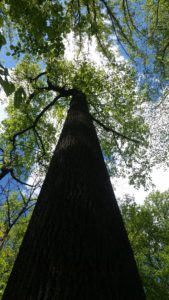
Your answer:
<point x="147" y="227"/>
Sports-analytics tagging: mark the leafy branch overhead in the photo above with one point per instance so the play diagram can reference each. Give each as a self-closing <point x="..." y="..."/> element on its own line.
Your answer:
<point x="139" y="28"/>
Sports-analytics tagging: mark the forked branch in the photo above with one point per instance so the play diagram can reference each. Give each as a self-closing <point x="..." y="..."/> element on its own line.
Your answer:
<point x="109" y="129"/>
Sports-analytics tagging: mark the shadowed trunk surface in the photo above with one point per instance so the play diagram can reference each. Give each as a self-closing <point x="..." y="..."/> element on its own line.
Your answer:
<point x="76" y="247"/>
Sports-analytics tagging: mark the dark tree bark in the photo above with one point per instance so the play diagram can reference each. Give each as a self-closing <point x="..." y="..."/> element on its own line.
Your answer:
<point x="76" y="246"/>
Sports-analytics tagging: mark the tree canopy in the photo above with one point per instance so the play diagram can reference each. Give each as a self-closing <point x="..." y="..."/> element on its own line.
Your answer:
<point x="140" y="28"/>
<point x="147" y="227"/>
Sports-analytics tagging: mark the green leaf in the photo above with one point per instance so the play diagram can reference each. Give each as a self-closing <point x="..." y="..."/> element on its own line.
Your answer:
<point x="1" y="21"/>
<point x="2" y="40"/>
<point x="12" y="47"/>
<point x="8" y="87"/>
<point x="19" y="97"/>
<point x="1" y="71"/>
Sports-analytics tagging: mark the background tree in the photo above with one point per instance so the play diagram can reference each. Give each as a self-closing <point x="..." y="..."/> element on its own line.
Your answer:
<point x="13" y="223"/>
<point x="147" y="227"/>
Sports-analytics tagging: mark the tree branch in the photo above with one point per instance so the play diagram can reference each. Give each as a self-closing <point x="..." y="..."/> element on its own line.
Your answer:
<point x="125" y="3"/>
<point x="37" y="137"/>
<point x="164" y="50"/>
<point x="34" y="123"/>
<point x="157" y="12"/>
<point x="24" y="209"/>
<point x="4" y="172"/>
<point x="40" y="140"/>
<point x="114" y="19"/>
<point x="63" y="93"/>
<point x="118" y="147"/>
<point x="108" y="129"/>
<point x="18" y="180"/>
<point x="38" y="76"/>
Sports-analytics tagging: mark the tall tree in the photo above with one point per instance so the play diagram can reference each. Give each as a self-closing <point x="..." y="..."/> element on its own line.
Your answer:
<point x="147" y="226"/>
<point x="29" y="133"/>
<point x="76" y="246"/>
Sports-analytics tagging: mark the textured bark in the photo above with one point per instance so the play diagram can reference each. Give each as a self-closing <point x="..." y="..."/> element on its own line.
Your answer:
<point x="76" y="246"/>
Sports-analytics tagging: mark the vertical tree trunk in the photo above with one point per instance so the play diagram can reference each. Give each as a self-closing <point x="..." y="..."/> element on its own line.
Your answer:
<point x="76" y="246"/>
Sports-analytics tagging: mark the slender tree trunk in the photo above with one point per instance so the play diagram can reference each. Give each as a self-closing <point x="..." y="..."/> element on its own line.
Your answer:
<point x="76" y="246"/>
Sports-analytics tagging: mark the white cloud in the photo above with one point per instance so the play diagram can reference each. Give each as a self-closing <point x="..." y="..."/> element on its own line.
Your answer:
<point x="160" y="180"/>
<point x="3" y="113"/>
<point x="89" y="50"/>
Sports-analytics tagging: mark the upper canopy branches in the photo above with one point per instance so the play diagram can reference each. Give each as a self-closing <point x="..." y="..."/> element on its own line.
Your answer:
<point x="29" y="133"/>
<point x="139" y="28"/>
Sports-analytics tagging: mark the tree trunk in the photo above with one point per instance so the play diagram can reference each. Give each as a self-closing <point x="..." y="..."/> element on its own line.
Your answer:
<point x="76" y="246"/>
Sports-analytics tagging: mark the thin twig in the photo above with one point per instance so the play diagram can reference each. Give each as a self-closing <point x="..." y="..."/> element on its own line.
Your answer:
<point x="34" y="123"/>
<point x="157" y="13"/>
<point x="40" y="140"/>
<point x="131" y="19"/>
<point x="162" y="99"/>
<point x="108" y="129"/>
<point x="120" y="151"/>
<point x="114" y="19"/>
<point x="8" y="210"/>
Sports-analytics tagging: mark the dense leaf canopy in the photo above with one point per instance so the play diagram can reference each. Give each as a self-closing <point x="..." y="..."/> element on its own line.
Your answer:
<point x="139" y="27"/>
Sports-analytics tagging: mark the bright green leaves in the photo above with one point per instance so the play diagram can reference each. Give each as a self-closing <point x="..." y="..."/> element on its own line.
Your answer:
<point x="148" y="228"/>
<point x="13" y="223"/>
<point x="27" y="69"/>
<point x="38" y="26"/>
<point x="140" y="28"/>
<point x="19" y="97"/>
<point x="34" y="146"/>
<point x="9" y="88"/>
<point x="80" y="75"/>
<point x="113" y="101"/>
<point x="112" y="90"/>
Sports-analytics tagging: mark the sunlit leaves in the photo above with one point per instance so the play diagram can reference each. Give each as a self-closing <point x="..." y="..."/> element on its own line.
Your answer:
<point x="40" y="26"/>
<point x="139" y="28"/>
<point x="11" y="244"/>
<point x="115" y="101"/>
<point x="19" y="97"/>
<point x="148" y="227"/>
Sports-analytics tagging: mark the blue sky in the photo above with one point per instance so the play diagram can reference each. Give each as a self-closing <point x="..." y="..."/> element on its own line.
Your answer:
<point x="7" y="61"/>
